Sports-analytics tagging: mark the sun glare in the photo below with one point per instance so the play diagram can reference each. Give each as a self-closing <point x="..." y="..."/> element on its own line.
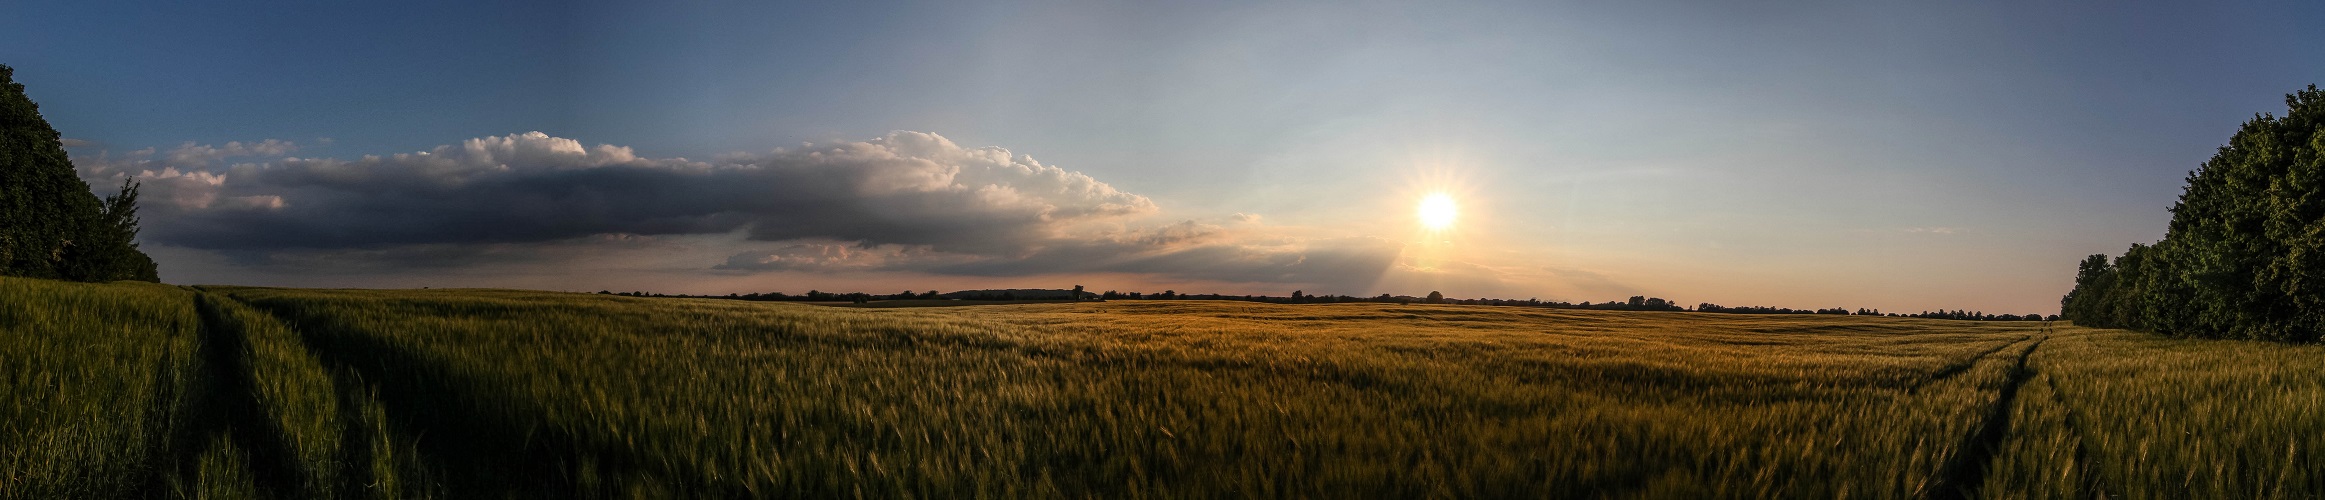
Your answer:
<point x="1438" y="211"/>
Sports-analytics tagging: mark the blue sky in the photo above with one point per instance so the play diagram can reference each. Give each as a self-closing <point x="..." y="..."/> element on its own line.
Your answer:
<point x="1900" y="155"/>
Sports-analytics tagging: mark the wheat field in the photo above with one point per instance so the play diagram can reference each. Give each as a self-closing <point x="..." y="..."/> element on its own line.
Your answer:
<point x="144" y="390"/>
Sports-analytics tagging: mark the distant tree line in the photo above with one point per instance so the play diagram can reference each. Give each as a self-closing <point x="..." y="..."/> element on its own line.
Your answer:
<point x="1302" y="297"/>
<point x="1716" y="308"/>
<point x="810" y="296"/>
<point x="51" y="225"/>
<point x="1977" y="316"/>
<point x="1956" y="314"/>
<point x="1635" y="303"/>
<point x="2244" y="256"/>
<point x="859" y="297"/>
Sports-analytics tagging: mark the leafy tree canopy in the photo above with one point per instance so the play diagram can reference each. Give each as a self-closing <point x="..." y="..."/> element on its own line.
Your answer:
<point x="2244" y="256"/>
<point x="51" y="225"/>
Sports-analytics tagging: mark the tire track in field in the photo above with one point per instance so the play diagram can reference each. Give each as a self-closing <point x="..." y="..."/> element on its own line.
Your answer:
<point x="476" y="455"/>
<point x="356" y="480"/>
<point x="1949" y="371"/>
<point x="480" y="444"/>
<point x="1961" y="475"/>
<point x="227" y="405"/>
<point x="2091" y="485"/>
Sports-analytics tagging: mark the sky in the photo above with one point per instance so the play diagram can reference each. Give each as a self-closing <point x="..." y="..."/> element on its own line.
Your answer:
<point x="1903" y="156"/>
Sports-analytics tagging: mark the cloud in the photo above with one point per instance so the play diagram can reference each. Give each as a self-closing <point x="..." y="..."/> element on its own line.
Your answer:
<point x="190" y="153"/>
<point x="906" y="188"/>
<point x="77" y="143"/>
<point x="1935" y="230"/>
<point x="1193" y="250"/>
<point x="1187" y="250"/>
<point x="438" y="257"/>
<point x="905" y="202"/>
<point x="1587" y="283"/>
<point x="823" y="256"/>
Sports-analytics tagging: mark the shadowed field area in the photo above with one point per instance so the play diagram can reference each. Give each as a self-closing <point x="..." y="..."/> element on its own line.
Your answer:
<point x="127" y="390"/>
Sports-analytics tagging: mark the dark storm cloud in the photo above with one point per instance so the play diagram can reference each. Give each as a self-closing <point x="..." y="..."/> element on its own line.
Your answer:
<point x="432" y="257"/>
<point x="906" y="202"/>
<point x="906" y="189"/>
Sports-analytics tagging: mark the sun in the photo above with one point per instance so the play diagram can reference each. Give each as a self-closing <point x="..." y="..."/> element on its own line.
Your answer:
<point x="1438" y="211"/>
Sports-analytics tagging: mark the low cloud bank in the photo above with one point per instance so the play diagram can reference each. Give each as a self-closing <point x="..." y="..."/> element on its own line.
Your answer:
<point x="905" y="202"/>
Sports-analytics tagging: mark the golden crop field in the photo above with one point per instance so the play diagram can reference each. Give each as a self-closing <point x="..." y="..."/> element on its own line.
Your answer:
<point x="145" y="390"/>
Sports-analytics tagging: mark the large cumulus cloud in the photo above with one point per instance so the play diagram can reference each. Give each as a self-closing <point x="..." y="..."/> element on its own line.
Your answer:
<point x="907" y="201"/>
<point x="906" y="188"/>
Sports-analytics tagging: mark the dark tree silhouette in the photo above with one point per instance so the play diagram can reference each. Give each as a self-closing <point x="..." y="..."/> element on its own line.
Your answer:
<point x="51" y="225"/>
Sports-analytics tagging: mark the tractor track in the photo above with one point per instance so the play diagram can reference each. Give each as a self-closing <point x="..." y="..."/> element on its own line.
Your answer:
<point x="1963" y="473"/>
<point x="1949" y="371"/>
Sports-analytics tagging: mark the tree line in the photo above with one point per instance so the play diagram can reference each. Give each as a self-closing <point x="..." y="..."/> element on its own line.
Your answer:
<point x="860" y="297"/>
<point x="810" y="296"/>
<point x="1635" y="303"/>
<point x="51" y="225"/>
<point x="2244" y="256"/>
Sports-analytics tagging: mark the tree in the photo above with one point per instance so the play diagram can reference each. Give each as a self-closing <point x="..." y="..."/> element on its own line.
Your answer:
<point x="51" y="225"/>
<point x="2094" y="280"/>
<point x="109" y="251"/>
<point x="2244" y="255"/>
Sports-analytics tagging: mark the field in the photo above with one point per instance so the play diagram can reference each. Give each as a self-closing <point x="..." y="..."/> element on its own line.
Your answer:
<point x="155" y="391"/>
